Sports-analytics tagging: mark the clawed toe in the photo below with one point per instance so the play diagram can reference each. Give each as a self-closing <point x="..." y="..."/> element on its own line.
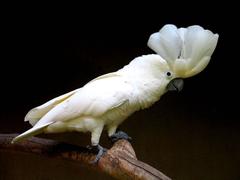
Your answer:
<point x="120" y="135"/>
<point x="99" y="150"/>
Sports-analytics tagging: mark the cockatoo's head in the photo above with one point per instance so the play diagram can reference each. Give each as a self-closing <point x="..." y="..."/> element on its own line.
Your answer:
<point x="187" y="51"/>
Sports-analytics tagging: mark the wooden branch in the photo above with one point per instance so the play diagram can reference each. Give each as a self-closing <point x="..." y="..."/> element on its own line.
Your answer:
<point x="120" y="161"/>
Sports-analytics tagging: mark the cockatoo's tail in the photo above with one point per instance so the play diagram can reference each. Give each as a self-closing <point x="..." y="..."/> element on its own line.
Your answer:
<point x="187" y="50"/>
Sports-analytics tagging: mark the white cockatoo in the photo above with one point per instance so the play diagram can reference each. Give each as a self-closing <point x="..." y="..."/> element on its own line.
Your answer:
<point x="106" y="101"/>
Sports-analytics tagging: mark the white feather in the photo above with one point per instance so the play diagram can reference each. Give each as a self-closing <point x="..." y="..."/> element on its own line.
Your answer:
<point x="190" y="44"/>
<point x="198" y="43"/>
<point x="37" y="113"/>
<point x="166" y="43"/>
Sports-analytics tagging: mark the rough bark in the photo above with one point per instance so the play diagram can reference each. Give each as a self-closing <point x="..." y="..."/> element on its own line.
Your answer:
<point x="119" y="162"/>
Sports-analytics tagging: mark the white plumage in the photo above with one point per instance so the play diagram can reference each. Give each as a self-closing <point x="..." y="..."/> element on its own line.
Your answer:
<point x="109" y="99"/>
<point x="187" y="50"/>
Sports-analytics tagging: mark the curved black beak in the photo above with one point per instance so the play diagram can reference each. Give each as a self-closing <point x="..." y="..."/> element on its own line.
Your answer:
<point x="175" y="85"/>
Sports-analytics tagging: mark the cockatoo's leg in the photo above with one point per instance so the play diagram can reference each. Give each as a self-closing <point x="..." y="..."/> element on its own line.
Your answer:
<point x="112" y="130"/>
<point x="96" y="133"/>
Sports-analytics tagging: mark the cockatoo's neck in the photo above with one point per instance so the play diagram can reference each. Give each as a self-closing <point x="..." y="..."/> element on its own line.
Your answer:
<point x="148" y="75"/>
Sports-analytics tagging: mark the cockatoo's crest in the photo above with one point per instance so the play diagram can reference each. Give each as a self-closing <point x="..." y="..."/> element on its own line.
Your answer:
<point x="187" y="50"/>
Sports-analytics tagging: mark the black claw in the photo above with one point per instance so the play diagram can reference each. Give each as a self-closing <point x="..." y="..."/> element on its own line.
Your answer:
<point x="120" y="135"/>
<point x="99" y="150"/>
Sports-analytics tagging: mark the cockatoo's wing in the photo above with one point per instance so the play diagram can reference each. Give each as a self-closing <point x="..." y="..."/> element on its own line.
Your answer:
<point x="93" y="100"/>
<point x="37" y="113"/>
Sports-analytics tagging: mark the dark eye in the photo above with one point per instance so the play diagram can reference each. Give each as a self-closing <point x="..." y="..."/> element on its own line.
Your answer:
<point x="169" y="74"/>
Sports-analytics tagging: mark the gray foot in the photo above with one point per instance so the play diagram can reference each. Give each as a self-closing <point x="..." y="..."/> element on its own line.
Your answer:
<point x="99" y="150"/>
<point x="120" y="135"/>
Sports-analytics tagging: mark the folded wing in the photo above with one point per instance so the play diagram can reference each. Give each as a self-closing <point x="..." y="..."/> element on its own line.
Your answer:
<point x="93" y="100"/>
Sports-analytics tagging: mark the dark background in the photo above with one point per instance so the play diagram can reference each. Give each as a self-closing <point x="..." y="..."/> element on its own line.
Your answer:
<point x="190" y="135"/>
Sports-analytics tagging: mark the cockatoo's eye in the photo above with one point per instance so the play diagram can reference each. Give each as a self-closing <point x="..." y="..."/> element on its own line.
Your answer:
<point x="169" y="74"/>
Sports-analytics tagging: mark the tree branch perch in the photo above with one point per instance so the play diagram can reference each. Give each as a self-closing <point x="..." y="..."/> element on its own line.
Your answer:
<point x="120" y="161"/>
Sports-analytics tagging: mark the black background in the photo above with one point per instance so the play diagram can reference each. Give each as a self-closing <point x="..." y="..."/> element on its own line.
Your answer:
<point x="192" y="135"/>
